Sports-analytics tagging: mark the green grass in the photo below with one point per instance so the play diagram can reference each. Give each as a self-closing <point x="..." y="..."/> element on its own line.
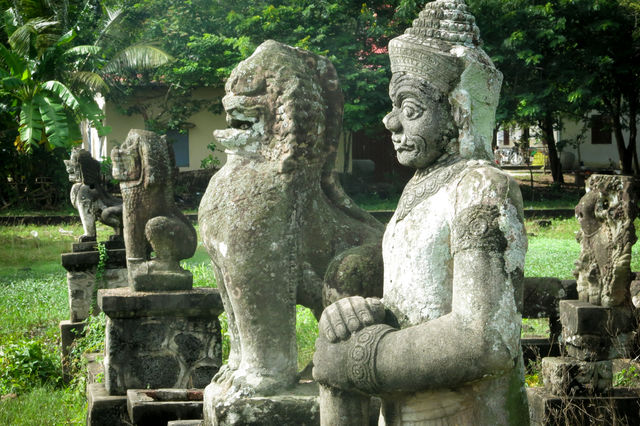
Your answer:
<point x="33" y="299"/>
<point x="44" y="406"/>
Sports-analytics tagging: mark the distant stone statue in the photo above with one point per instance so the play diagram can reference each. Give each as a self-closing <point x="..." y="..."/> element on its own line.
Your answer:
<point x="91" y="199"/>
<point x="448" y="351"/>
<point x="144" y="164"/>
<point x="606" y="214"/>
<point x="278" y="227"/>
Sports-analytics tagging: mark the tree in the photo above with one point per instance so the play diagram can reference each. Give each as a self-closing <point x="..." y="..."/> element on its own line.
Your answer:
<point x="565" y="58"/>
<point x="51" y="81"/>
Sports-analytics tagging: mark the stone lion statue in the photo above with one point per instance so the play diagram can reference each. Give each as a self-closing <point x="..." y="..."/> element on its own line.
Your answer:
<point x="91" y="199"/>
<point x="606" y="214"/>
<point x="144" y="164"/>
<point x="278" y="227"/>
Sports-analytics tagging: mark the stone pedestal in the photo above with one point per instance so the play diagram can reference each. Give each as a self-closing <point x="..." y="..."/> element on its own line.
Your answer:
<point x="616" y="407"/>
<point x="296" y="406"/>
<point x="578" y="387"/>
<point x="595" y="333"/>
<point x="162" y="339"/>
<point x="150" y="407"/>
<point x="85" y="276"/>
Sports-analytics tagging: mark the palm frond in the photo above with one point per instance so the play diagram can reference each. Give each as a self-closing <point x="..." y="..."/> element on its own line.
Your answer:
<point x="114" y="16"/>
<point x="21" y="39"/>
<point x="92" y="80"/>
<point x="81" y="50"/>
<point x="63" y="92"/>
<point x="55" y="121"/>
<point x="137" y="57"/>
<point x="30" y="124"/>
<point x="15" y="63"/>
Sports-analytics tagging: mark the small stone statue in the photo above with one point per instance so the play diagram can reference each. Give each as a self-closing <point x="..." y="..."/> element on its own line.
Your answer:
<point x="278" y="227"/>
<point x="448" y="350"/>
<point x="89" y="196"/>
<point x="144" y="164"/>
<point x="606" y="214"/>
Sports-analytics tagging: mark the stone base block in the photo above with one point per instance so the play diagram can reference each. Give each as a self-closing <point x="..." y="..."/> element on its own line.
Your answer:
<point x="161" y="340"/>
<point x="185" y="423"/>
<point x="83" y="287"/>
<point x="297" y="406"/>
<point x="618" y="407"/>
<point x="565" y="376"/>
<point x="104" y="409"/>
<point x="69" y="332"/>
<point x="594" y="333"/>
<point x="158" y="406"/>
<point x="578" y="317"/>
<point x="594" y="348"/>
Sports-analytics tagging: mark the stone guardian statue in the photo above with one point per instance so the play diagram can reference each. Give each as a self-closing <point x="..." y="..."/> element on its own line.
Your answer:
<point x="145" y="166"/>
<point x="91" y="199"/>
<point x="278" y="227"/>
<point x="448" y="351"/>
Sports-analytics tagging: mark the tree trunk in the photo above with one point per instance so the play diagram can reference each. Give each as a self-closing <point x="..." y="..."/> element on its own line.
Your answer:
<point x="547" y="138"/>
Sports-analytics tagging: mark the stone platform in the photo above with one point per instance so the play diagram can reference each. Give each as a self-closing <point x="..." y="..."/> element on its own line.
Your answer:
<point x="620" y="406"/>
<point x="161" y="339"/>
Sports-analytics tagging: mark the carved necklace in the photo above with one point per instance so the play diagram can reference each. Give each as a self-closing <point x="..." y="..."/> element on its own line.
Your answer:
<point x="427" y="182"/>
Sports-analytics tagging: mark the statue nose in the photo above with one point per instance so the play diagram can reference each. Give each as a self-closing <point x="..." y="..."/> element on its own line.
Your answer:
<point x="392" y="122"/>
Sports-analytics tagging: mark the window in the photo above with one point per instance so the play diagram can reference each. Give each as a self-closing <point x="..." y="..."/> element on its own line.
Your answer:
<point x="180" y="141"/>
<point x="600" y="130"/>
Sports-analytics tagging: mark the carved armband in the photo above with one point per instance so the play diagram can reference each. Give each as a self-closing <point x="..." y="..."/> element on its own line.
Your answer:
<point x="361" y="362"/>
<point x="477" y="227"/>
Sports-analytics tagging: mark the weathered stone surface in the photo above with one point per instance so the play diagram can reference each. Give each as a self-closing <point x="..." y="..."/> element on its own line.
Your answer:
<point x="278" y="227"/>
<point x="453" y="251"/>
<point x="618" y="407"/>
<point x="161" y="340"/>
<point x="606" y="214"/>
<point x="159" y="406"/>
<point x="84" y="285"/>
<point x="123" y="303"/>
<point x="69" y="332"/>
<point x="569" y="376"/>
<point x="104" y="409"/>
<point x="593" y="333"/>
<point x="145" y="166"/>
<point x="578" y="317"/>
<point x="86" y="260"/>
<point x="88" y="195"/>
<point x="296" y="406"/>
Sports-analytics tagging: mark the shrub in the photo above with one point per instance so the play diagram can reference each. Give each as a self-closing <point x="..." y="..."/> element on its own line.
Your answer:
<point x="28" y="364"/>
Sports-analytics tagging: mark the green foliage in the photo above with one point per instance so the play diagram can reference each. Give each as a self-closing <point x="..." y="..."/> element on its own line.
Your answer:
<point x="210" y="162"/>
<point x="25" y="364"/>
<point x="48" y="79"/>
<point x="627" y="377"/>
<point x="306" y="335"/>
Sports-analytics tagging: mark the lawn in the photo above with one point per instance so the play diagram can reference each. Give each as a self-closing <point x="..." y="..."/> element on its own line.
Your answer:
<point x="33" y="300"/>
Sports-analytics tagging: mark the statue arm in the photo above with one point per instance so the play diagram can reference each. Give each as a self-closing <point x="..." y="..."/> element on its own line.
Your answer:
<point x="478" y="338"/>
<point x="481" y="335"/>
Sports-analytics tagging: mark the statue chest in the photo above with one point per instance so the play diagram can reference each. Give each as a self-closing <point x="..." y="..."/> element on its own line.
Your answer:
<point x="417" y="261"/>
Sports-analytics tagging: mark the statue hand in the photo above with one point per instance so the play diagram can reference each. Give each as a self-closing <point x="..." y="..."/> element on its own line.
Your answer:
<point x="349" y="315"/>
<point x="330" y="364"/>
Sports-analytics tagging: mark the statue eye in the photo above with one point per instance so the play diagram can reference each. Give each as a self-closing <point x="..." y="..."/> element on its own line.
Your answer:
<point x="411" y="109"/>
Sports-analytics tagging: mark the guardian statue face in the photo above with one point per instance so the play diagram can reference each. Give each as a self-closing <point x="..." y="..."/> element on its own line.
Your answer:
<point x="419" y="121"/>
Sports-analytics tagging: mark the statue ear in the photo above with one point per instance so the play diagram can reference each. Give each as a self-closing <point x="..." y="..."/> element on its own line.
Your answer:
<point x="144" y="153"/>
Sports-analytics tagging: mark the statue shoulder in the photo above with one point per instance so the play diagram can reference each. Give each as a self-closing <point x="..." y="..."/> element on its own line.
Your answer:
<point x="483" y="183"/>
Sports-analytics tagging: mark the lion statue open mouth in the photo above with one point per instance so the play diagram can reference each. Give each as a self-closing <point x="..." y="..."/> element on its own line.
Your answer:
<point x="279" y="229"/>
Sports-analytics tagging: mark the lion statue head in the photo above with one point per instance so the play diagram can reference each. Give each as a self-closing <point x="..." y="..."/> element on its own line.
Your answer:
<point x="283" y="105"/>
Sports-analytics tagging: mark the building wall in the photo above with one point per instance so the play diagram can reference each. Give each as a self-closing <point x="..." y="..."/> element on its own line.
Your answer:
<point x="200" y="127"/>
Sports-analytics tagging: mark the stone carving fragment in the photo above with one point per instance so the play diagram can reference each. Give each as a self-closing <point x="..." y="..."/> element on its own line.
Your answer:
<point x="606" y="214"/>
<point x="447" y="350"/>
<point x="278" y="227"/>
<point x="91" y="199"/>
<point x="144" y="164"/>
